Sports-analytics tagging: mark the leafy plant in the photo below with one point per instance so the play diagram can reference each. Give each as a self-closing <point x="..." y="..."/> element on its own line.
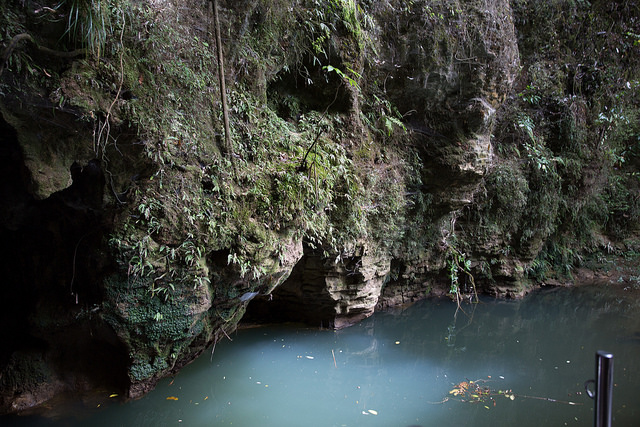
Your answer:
<point x="459" y="263"/>
<point x="382" y="117"/>
<point x="351" y="80"/>
<point x="530" y="95"/>
<point x="88" y="23"/>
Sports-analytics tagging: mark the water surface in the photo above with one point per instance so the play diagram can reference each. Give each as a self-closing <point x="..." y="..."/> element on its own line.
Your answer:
<point x="397" y="368"/>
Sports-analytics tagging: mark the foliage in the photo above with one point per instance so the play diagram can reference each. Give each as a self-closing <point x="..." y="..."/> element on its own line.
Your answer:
<point x="89" y="22"/>
<point x="623" y="205"/>
<point x="459" y="263"/>
<point x="507" y="190"/>
<point x="530" y="95"/>
<point x="381" y="116"/>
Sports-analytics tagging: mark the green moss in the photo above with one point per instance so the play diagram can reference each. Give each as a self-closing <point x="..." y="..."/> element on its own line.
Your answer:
<point x="156" y="330"/>
<point x="507" y="193"/>
<point x="142" y="370"/>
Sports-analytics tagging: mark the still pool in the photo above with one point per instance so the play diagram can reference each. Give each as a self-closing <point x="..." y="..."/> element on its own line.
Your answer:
<point x="513" y="363"/>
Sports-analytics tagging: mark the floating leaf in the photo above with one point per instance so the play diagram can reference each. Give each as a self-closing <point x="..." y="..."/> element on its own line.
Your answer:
<point x="172" y="398"/>
<point x="113" y="395"/>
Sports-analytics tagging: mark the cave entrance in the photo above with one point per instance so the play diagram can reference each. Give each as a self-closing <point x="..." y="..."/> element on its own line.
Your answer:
<point x="302" y="298"/>
<point x="53" y="261"/>
<point x="308" y="87"/>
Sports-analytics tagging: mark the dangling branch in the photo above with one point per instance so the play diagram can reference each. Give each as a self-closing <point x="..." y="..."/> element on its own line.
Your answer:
<point x="303" y="164"/>
<point x="223" y="91"/>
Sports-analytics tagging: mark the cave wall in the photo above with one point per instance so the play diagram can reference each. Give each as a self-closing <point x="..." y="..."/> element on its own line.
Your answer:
<point x="325" y="292"/>
<point x="53" y="258"/>
<point x="380" y="152"/>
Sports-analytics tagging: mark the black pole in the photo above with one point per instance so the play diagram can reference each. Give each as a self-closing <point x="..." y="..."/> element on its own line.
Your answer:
<point x="604" y="389"/>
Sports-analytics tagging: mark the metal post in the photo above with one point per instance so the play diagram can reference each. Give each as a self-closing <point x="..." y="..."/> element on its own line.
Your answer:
<point x="604" y="389"/>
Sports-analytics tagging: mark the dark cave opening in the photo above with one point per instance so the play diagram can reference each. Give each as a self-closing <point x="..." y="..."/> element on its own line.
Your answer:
<point x="316" y="293"/>
<point x="53" y="261"/>
<point x="302" y="297"/>
<point x="309" y="87"/>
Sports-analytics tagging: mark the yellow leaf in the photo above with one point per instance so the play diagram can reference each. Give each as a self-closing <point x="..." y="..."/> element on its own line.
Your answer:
<point x="113" y="395"/>
<point x="172" y="398"/>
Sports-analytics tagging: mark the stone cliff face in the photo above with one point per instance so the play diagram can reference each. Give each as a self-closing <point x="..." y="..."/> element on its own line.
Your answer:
<point x="379" y="152"/>
<point x="449" y="72"/>
<point x="326" y="292"/>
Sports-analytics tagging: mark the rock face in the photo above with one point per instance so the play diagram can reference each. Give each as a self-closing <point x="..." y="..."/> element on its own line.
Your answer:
<point x="448" y="73"/>
<point x="330" y="293"/>
<point x="381" y="151"/>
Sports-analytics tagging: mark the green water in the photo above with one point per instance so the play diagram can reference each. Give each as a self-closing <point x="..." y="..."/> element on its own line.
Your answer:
<point x="397" y="369"/>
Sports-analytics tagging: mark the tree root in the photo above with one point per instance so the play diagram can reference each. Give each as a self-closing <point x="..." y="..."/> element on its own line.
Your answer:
<point x="25" y="36"/>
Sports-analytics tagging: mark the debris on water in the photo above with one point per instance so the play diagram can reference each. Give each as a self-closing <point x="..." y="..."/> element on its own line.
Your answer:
<point x="309" y="357"/>
<point x="172" y="398"/>
<point x="372" y="412"/>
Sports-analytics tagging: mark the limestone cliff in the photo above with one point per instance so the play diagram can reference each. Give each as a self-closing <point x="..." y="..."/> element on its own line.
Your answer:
<point x="378" y="151"/>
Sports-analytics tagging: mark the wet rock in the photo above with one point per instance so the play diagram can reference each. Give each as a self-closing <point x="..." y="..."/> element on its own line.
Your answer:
<point x="326" y="292"/>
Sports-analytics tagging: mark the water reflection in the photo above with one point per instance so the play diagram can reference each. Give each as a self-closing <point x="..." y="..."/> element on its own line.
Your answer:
<point x="397" y="369"/>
